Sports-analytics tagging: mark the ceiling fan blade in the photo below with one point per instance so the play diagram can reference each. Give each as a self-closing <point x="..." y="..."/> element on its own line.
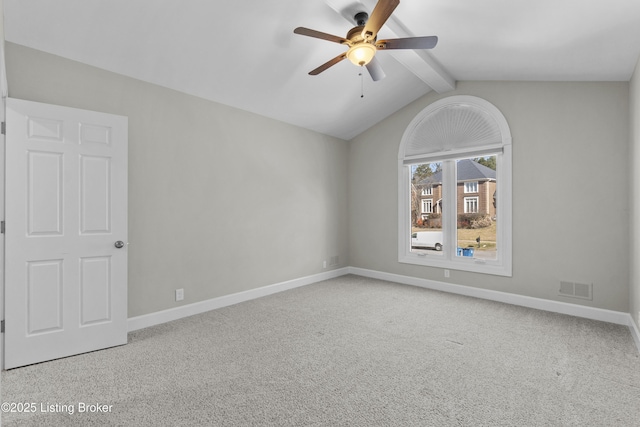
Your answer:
<point x="379" y="16"/>
<point x="375" y="70"/>
<point x="320" y="35"/>
<point x="328" y="64"/>
<point x="427" y="42"/>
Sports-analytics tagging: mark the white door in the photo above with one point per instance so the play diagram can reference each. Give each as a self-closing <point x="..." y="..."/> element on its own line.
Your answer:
<point x="66" y="228"/>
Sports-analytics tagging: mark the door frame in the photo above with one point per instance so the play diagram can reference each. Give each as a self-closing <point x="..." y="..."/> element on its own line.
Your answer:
<point x="3" y="110"/>
<point x="4" y="91"/>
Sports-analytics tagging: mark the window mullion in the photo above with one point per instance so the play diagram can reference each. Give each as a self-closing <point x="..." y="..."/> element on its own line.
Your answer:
<point x="449" y="218"/>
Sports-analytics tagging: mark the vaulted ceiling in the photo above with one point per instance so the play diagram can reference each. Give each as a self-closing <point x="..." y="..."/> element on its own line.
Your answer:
<point x="244" y="53"/>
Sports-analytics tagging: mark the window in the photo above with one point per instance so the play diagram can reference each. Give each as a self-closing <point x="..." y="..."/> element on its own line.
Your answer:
<point x="470" y="205"/>
<point x="471" y="187"/>
<point x="460" y="148"/>
<point x="427" y="205"/>
<point x="427" y="191"/>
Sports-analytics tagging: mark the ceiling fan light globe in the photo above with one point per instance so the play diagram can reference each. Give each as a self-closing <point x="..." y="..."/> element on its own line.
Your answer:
<point x="361" y="54"/>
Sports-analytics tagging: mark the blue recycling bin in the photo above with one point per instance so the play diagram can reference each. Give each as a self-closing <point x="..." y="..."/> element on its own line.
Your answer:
<point x="459" y="251"/>
<point x="467" y="252"/>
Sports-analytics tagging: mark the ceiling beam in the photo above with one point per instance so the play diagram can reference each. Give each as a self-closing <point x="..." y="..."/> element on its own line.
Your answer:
<point x="419" y="62"/>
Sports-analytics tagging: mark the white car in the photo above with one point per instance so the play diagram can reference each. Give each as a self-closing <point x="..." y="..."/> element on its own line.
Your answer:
<point x="427" y="239"/>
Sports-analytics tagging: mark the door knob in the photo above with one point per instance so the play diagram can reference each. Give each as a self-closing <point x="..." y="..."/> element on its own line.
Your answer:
<point x="119" y="244"/>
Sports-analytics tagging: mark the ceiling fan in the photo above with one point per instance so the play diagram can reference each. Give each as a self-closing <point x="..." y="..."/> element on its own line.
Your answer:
<point x="363" y="43"/>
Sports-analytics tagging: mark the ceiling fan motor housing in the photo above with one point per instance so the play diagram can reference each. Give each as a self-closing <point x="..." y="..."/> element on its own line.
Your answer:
<point x="355" y="34"/>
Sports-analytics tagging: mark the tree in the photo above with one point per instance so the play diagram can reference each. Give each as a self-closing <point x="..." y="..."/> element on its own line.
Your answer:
<point x="415" y="204"/>
<point x="489" y="162"/>
<point x="421" y="172"/>
<point x="425" y="170"/>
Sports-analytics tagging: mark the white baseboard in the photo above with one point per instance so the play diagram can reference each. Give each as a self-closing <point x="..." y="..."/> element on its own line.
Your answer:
<point x="610" y="316"/>
<point x="147" y="320"/>
<point x="617" y="317"/>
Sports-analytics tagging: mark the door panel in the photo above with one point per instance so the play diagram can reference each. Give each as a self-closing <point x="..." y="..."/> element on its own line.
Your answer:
<point x="95" y="290"/>
<point x="66" y="206"/>
<point x="44" y="296"/>
<point x="44" y="193"/>
<point x="95" y="189"/>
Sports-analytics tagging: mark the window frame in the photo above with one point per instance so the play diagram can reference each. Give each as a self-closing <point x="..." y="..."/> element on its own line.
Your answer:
<point x="475" y="187"/>
<point x="429" y="202"/>
<point x="466" y="201"/>
<point x="502" y="149"/>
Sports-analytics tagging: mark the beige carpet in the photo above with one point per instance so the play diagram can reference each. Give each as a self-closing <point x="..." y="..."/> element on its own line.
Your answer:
<point x="347" y="352"/>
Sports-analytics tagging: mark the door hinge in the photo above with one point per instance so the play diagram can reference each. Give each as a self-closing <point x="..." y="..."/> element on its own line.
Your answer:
<point x="1" y="326"/>
<point x="1" y="227"/>
<point x="3" y="128"/>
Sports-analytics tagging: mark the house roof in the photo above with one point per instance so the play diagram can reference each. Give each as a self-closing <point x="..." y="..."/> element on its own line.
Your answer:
<point x="468" y="170"/>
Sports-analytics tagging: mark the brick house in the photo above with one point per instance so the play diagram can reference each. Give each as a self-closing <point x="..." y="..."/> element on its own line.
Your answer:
<point x="476" y="190"/>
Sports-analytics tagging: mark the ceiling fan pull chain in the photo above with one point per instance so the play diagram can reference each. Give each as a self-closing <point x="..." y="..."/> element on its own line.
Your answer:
<point x="361" y="84"/>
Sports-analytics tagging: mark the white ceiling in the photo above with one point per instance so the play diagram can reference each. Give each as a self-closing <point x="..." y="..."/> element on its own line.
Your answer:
<point x="243" y="53"/>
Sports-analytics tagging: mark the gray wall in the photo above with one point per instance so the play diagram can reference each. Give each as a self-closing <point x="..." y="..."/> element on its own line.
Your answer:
<point x="223" y="201"/>
<point x="220" y="200"/>
<point x="634" y="291"/>
<point x="570" y="181"/>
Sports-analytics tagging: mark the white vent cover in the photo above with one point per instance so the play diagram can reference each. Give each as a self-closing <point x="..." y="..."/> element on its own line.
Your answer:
<point x="576" y="290"/>
<point x="454" y="124"/>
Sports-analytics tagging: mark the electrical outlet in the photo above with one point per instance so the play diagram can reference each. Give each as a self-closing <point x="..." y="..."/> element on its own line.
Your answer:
<point x="447" y="273"/>
<point x="324" y="264"/>
<point x="179" y="294"/>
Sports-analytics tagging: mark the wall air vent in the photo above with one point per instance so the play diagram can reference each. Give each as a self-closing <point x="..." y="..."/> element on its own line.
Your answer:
<point x="576" y="290"/>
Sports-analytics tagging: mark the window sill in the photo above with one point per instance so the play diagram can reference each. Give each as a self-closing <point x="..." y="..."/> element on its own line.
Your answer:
<point x="473" y="265"/>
